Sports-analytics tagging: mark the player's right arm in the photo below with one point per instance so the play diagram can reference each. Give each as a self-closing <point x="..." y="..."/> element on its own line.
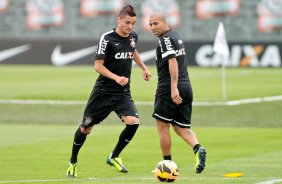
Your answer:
<point x="101" y="54"/>
<point x="101" y="69"/>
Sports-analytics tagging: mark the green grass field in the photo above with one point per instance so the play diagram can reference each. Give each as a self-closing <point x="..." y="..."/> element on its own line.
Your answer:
<point x="36" y="139"/>
<point x="30" y="153"/>
<point x="75" y="83"/>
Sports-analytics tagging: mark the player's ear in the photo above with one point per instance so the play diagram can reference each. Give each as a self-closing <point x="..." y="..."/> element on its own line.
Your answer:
<point x="118" y="20"/>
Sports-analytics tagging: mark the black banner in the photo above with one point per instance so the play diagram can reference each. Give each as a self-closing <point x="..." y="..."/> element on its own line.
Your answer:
<point x="81" y="52"/>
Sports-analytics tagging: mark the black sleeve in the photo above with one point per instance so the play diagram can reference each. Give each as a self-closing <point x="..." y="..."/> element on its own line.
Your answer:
<point x="167" y="48"/>
<point x="103" y="47"/>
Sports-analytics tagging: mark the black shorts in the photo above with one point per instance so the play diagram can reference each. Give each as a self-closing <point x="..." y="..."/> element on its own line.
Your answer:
<point x="101" y="104"/>
<point x="167" y="111"/>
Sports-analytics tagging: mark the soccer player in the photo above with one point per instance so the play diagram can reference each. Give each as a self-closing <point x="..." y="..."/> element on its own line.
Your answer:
<point x="111" y="92"/>
<point x="173" y="103"/>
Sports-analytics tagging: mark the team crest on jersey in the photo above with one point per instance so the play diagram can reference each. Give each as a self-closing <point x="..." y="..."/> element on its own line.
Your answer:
<point x="132" y="43"/>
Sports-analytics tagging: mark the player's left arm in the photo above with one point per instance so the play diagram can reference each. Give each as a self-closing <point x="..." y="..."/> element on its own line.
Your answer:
<point x="169" y="54"/>
<point x="173" y="71"/>
<point x="140" y="63"/>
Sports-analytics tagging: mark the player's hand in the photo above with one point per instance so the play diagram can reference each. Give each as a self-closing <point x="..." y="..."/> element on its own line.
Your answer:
<point x="121" y="80"/>
<point x="147" y="75"/>
<point x="176" y="97"/>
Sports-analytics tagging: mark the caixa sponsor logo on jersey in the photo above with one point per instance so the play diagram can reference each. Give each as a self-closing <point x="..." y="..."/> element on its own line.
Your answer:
<point x="257" y="55"/>
<point x="124" y="55"/>
<point x="180" y="52"/>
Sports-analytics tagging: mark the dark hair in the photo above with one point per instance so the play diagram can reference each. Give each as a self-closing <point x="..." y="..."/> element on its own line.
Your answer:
<point x="127" y="10"/>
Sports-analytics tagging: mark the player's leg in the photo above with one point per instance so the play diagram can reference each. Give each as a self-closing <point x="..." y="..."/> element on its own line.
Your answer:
<point x="181" y="125"/>
<point x="131" y="126"/>
<point x="165" y="139"/>
<point x="187" y="134"/>
<point x="164" y="111"/>
<point x="190" y="137"/>
<point x="126" y="110"/>
<point x="79" y="138"/>
<point x="92" y="115"/>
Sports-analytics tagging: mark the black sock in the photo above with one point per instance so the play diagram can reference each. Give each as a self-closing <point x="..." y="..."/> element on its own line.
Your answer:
<point x="167" y="157"/>
<point x="124" y="138"/>
<point x="79" y="139"/>
<point x="196" y="148"/>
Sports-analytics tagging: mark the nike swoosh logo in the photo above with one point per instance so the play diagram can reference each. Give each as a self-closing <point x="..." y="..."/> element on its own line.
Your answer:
<point x="173" y="174"/>
<point x="8" y="53"/>
<point x="60" y="59"/>
<point x="147" y="55"/>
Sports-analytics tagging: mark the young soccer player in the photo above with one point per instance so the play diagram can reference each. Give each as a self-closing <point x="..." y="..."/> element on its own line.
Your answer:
<point x="116" y="50"/>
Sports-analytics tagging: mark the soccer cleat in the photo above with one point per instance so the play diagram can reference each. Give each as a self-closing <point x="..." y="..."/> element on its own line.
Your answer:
<point x="200" y="160"/>
<point x="117" y="162"/>
<point x="72" y="170"/>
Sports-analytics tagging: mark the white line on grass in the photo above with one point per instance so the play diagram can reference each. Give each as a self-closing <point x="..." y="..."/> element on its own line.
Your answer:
<point x="218" y="103"/>
<point x="271" y="181"/>
<point x="42" y="102"/>
<point x="128" y="179"/>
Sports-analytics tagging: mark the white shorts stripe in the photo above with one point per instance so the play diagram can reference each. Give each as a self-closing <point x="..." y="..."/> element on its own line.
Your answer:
<point x="184" y="125"/>
<point x="162" y="117"/>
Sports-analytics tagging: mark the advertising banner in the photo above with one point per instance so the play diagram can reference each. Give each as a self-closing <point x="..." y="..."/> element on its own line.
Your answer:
<point x="241" y="54"/>
<point x="81" y="52"/>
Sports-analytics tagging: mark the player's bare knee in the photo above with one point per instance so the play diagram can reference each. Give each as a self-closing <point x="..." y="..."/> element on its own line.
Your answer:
<point x="182" y="132"/>
<point x="177" y="130"/>
<point x="131" y="120"/>
<point x="134" y="121"/>
<point x="85" y="130"/>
